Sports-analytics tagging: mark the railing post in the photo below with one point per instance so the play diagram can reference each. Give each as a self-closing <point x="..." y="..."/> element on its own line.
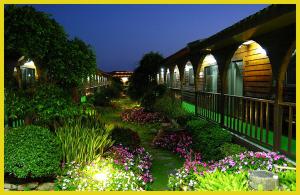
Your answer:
<point x="277" y="117"/>
<point x="196" y="103"/>
<point x="222" y="107"/>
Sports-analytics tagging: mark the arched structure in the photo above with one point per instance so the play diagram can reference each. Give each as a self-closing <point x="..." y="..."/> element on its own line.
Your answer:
<point x="176" y="78"/>
<point x="245" y="77"/>
<point x="208" y="75"/>
<point x="168" y="78"/>
<point x="188" y="77"/>
<point x="249" y="72"/>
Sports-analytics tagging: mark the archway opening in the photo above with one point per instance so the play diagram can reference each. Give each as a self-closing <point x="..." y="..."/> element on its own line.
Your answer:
<point x="176" y="78"/>
<point x="208" y="75"/>
<point x="249" y="72"/>
<point x="168" y="78"/>
<point x="188" y="77"/>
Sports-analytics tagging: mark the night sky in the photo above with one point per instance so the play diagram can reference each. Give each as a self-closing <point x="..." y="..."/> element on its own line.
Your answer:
<point x="121" y="34"/>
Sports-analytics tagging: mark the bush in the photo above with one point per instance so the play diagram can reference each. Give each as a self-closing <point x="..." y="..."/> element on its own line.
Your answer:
<point x="207" y="138"/>
<point x="228" y="149"/>
<point x="140" y="115"/>
<point x="184" y="119"/>
<point x="104" y="95"/>
<point x="190" y="176"/>
<point x="84" y="139"/>
<point x="150" y="96"/>
<point x="126" y="137"/>
<point x="32" y="152"/>
<point x="178" y="142"/>
<point x="170" y="107"/>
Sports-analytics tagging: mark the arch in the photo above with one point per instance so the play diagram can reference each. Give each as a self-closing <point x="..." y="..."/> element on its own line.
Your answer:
<point x="188" y="77"/>
<point x="176" y="78"/>
<point x="249" y="72"/>
<point x="208" y="74"/>
<point x="289" y="85"/>
<point x="28" y="71"/>
<point x="161" y="76"/>
<point x="168" y="78"/>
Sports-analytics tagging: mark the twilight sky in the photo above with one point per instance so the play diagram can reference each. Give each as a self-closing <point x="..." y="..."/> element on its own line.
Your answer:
<point x="121" y="34"/>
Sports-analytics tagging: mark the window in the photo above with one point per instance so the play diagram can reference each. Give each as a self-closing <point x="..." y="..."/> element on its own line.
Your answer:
<point x="211" y="78"/>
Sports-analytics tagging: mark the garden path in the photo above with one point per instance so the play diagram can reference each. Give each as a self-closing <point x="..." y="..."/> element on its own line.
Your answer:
<point x="164" y="162"/>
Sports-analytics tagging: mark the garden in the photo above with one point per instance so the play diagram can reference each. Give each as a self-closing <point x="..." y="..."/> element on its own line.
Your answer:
<point x="143" y="140"/>
<point x="122" y="146"/>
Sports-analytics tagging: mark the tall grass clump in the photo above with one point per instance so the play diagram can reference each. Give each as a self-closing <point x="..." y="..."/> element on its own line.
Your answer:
<point x="84" y="139"/>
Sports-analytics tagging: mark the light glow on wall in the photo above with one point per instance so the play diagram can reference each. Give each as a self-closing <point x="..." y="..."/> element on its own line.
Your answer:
<point x="210" y="59"/>
<point x="262" y="51"/>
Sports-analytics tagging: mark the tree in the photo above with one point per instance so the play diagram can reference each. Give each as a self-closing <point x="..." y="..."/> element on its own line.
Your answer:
<point x="37" y="36"/>
<point x="34" y="35"/>
<point x="144" y="76"/>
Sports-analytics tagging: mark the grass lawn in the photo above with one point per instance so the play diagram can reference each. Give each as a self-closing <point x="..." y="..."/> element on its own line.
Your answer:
<point x="164" y="162"/>
<point x="242" y="128"/>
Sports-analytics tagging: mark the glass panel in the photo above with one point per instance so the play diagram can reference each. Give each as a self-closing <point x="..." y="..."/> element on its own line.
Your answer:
<point x="211" y="78"/>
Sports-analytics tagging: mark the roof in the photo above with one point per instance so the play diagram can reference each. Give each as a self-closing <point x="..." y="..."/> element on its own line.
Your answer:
<point x="267" y="14"/>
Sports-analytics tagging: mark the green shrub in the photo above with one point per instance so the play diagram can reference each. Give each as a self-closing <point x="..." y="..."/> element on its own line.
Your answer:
<point x="84" y="139"/>
<point x="148" y="101"/>
<point x="287" y="180"/>
<point x="16" y="104"/>
<point x="222" y="181"/>
<point x="207" y="138"/>
<point x="31" y="151"/>
<point x="126" y="137"/>
<point x="104" y="95"/>
<point x="184" y="119"/>
<point x="228" y="149"/>
<point x="170" y="107"/>
<point x="150" y="96"/>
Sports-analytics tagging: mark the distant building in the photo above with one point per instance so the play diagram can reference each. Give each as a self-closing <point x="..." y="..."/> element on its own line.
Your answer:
<point x="122" y="75"/>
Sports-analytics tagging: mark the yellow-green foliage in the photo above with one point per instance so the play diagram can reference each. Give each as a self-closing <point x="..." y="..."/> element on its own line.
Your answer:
<point x="222" y="181"/>
<point x="84" y="140"/>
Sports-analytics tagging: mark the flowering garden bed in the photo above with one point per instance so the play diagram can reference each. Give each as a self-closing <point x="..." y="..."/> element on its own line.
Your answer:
<point x="123" y="170"/>
<point x="228" y="174"/>
<point x="139" y="115"/>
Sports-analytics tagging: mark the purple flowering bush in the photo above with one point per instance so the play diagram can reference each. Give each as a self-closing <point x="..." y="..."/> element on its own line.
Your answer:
<point x="189" y="176"/>
<point x="121" y="170"/>
<point x="140" y="115"/>
<point x="179" y="142"/>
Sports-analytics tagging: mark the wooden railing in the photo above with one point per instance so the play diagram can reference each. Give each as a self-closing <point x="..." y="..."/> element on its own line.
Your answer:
<point x="208" y="105"/>
<point x="188" y="96"/>
<point x="287" y="128"/>
<point x="252" y="118"/>
<point x="249" y="117"/>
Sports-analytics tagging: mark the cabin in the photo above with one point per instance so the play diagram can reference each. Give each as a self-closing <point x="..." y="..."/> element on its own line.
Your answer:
<point x="243" y="77"/>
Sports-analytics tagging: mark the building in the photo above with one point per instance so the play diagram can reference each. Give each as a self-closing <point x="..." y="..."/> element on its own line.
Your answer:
<point x="243" y="78"/>
<point x="122" y="75"/>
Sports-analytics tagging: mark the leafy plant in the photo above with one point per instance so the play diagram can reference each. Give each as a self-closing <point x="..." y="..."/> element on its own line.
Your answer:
<point x="84" y="139"/>
<point x="31" y="151"/>
<point x="208" y="138"/>
<point x="287" y="179"/>
<point x="222" y="181"/>
<point x="228" y="149"/>
<point x="126" y="137"/>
